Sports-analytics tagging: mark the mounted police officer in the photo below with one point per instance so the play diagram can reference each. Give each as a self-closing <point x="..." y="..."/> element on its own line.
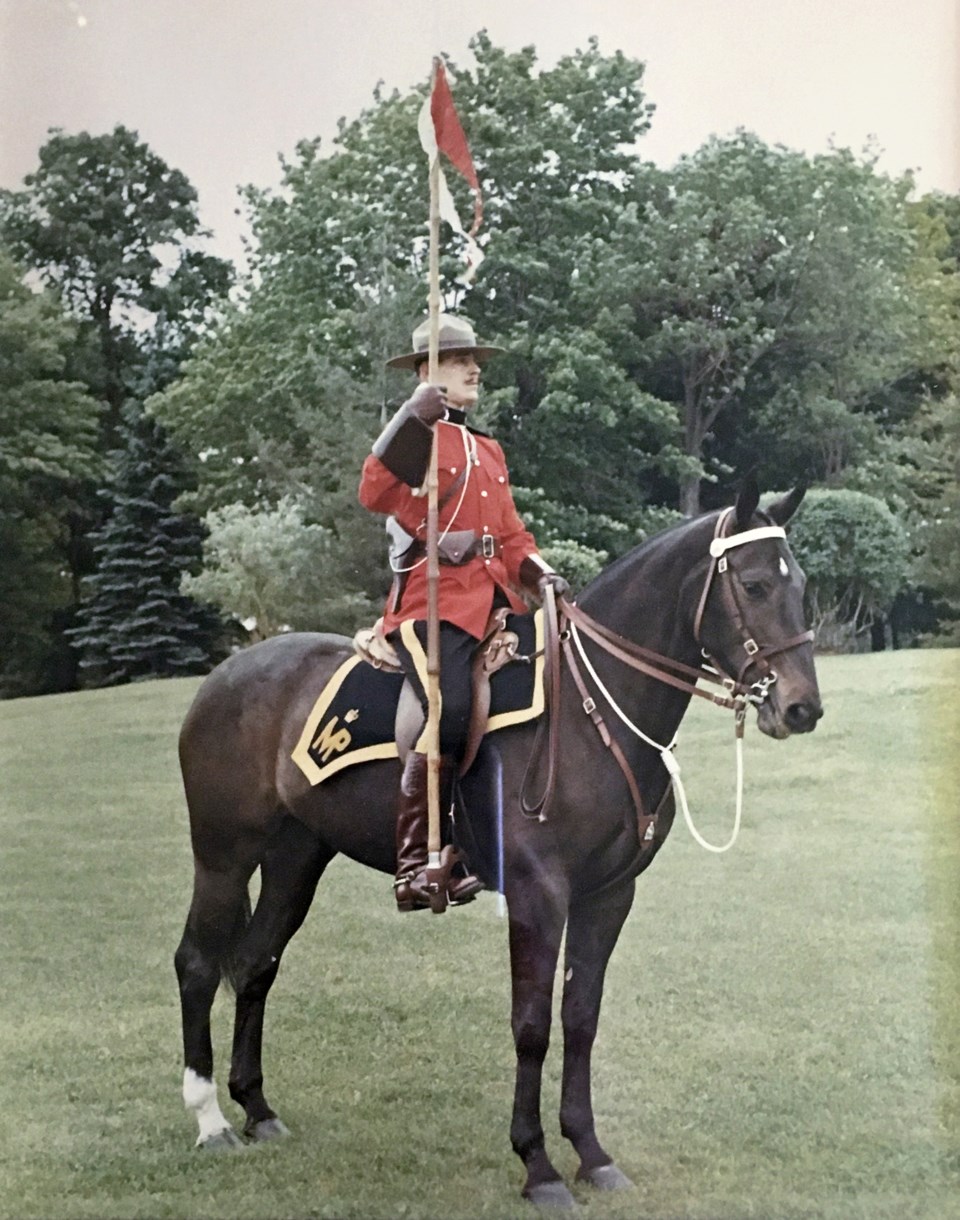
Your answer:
<point x="484" y="549"/>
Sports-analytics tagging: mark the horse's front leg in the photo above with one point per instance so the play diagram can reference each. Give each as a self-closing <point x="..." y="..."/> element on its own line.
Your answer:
<point x="537" y="904"/>
<point x="592" y="930"/>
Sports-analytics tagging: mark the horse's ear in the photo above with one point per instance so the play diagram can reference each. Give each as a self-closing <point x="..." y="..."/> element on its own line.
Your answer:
<point x="783" y="509"/>
<point x="748" y="497"/>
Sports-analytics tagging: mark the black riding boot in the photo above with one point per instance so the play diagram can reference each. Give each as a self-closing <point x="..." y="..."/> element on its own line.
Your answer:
<point x="411" y="886"/>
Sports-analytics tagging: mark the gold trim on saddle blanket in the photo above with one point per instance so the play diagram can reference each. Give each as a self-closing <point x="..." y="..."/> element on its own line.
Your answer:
<point x="335" y="737"/>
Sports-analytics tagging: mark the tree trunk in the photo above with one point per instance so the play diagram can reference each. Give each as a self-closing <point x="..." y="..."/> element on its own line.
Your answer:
<point x="690" y="495"/>
<point x="692" y="446"/>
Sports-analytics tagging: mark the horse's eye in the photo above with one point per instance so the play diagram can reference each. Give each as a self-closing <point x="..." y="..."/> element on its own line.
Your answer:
<point x="754" y="590"/>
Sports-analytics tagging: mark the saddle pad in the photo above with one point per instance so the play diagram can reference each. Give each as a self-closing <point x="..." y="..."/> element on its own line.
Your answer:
<point x="354" y="717"/>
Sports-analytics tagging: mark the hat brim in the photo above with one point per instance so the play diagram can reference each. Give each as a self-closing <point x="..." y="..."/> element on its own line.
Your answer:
<point x="412" y="359"/>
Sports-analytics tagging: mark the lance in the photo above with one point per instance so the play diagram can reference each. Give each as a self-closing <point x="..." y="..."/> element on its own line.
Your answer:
<point x="440" y="129"/>
<point x="438" y="902"/>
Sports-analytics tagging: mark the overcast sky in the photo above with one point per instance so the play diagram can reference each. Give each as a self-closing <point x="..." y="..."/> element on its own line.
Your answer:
<point x="220" y="87"/>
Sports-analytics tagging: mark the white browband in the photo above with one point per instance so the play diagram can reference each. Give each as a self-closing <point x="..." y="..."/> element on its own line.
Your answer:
<point x="719" y="545"/>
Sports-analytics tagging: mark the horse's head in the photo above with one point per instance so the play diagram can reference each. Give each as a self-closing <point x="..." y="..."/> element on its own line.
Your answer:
<point x="750" y="619"/>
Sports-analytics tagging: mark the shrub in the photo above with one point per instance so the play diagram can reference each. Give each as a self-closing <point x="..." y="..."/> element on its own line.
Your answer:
<point x="855" y="554"/>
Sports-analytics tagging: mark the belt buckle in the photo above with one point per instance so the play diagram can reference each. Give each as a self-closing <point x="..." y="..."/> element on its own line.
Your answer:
<point x="488" y="546"/>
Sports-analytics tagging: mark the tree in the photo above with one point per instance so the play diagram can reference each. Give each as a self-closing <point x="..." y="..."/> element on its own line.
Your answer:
<point x="134" y="623"/>
<point x="855" y="555"/>
<point x="112" y="228"/>
<point x="48" y="436"/>
<point x="758" y="282"/>
<point x="273" y="571"/>
<point x="937" y="569"/>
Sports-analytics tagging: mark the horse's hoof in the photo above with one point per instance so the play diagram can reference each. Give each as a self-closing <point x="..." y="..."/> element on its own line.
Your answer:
<point x="221" y="1141"/>
<point x="552" y="1195"/>
<point x="265" y="1130"/>
<point x="605" y="1177"/>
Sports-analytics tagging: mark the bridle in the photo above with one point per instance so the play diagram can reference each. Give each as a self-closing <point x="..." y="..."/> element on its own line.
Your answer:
<point x="564" y="629"/>
<point x="757" y="655"/>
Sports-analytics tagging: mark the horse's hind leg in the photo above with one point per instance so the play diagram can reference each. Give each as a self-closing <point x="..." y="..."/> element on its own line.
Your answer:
<point x="289" y="871"/>
<point x="217" y="916"/>
<point x="592" y="930"/>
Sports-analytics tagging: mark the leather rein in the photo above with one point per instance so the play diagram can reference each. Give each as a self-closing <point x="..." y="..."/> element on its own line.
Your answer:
<point x="734" y="693"/>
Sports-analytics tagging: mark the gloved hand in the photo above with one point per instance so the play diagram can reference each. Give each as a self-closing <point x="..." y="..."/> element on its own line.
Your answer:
<point x="428" y="403"/>
<point x="554" y="581"/>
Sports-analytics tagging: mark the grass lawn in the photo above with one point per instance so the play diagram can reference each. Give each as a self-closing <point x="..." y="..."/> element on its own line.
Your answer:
<point x="780" y="1035"/>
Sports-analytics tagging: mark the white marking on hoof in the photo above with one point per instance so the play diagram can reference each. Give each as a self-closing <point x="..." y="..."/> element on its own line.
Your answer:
<point x="605" y="1177"/>
<point x="200" y="1096"/>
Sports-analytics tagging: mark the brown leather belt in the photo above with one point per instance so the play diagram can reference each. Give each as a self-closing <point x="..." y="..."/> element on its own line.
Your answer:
<point x="460" y="546"/>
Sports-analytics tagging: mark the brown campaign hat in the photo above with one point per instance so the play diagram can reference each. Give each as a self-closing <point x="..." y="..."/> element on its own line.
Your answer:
<point x="456" y="335"/>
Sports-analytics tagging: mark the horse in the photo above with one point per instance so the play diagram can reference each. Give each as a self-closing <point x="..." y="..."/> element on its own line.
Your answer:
<point x="724" y="586"/>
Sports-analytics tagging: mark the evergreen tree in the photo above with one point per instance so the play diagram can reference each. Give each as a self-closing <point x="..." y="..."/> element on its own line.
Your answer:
<point x="135" y="623"/>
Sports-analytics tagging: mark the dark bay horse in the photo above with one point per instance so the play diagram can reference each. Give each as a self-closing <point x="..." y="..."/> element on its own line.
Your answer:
<point x="250" y="807"/>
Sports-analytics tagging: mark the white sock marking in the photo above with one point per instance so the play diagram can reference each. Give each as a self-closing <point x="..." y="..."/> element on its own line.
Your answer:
<point x="200" y="1096"/>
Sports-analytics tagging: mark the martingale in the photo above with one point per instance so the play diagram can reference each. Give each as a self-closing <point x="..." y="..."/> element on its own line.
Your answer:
<point x="354" y="716"/>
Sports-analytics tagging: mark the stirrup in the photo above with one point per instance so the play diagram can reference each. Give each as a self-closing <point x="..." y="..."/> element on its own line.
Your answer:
<point x="462" y="890"/>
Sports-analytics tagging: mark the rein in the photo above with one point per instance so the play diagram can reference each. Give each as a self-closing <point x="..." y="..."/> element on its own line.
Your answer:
<point x="733" y="693"/>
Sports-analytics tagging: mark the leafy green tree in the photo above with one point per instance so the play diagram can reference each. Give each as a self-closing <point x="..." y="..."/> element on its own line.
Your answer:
<point x="759" y="284"/>
<point x="937" y="568"/>
<point x="112" y="228"/>
<point x="48" y="438"/>
<point x="134" y="623"/>
<point x="856" y="557"/>
<point x="272" y="571"/>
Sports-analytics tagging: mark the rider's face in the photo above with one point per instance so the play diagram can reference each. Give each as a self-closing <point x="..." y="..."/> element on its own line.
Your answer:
<point x="460" y="373"/>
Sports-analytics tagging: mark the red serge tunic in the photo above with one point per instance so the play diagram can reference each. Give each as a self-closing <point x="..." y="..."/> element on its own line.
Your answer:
<point x="482" y="503"/>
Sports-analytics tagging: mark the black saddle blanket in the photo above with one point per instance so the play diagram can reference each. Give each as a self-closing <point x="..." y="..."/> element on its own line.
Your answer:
<point x="354" y="717"/>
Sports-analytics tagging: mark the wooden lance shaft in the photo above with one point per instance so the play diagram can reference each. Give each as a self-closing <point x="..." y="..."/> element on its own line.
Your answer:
<point x="433" y="563"/>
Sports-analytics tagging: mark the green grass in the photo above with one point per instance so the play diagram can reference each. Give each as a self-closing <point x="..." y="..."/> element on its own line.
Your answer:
<point x="780" y="1036"/>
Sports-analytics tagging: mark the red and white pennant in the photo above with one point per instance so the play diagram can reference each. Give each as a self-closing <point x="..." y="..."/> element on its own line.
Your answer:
<point x="440" y="131"/>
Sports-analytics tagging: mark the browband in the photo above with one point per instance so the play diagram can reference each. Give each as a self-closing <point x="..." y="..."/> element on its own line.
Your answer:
<point x="719" y="545"/>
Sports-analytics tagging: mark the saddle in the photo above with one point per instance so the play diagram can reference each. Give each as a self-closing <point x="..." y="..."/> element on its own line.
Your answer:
<point x="497" y="648"/>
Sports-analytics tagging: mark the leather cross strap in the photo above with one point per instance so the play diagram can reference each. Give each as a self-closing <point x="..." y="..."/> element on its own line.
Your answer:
<point x="538" y="808"/>
<point x="644" y="820"/>
<point x="685" y="678"/>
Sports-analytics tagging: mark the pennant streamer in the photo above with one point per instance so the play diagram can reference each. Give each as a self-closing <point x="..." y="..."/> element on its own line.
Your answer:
<point x="440" y="131"/>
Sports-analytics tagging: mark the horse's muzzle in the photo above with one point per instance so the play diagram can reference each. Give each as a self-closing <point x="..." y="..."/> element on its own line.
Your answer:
<point x="799" y="716"/>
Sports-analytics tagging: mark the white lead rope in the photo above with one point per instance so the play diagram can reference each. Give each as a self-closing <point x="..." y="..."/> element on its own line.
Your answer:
<point x="669" y="758"/>
<point x="673" y="768"/>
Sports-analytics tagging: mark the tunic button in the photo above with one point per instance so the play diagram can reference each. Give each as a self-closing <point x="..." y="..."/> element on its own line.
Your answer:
<point x="501" y="479"/>
<point x="486" y="529"/>
<point x="487" y="562"/>
<point x="483" y="493"/>
<point x="453" y="470"/>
